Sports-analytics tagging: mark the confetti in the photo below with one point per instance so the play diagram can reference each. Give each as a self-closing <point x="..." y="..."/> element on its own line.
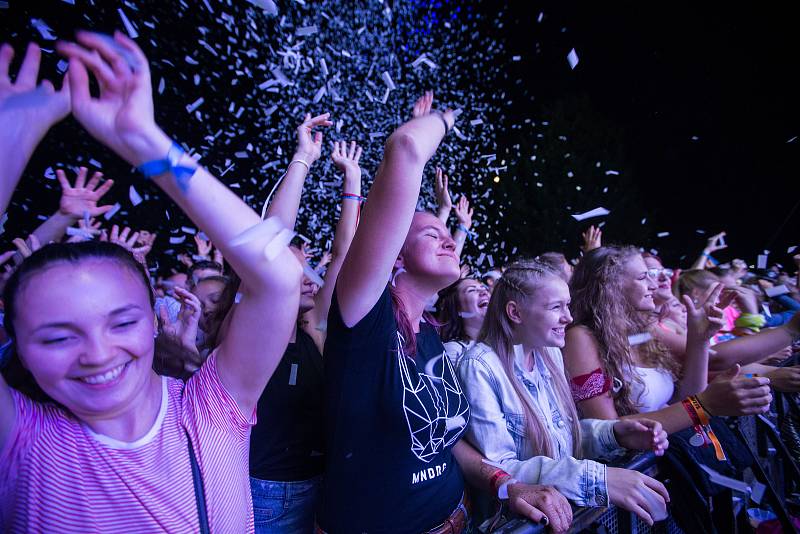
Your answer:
<point x="572" y="59"/>
<point x="134" y="196"/>
<point x="597" y="212"/>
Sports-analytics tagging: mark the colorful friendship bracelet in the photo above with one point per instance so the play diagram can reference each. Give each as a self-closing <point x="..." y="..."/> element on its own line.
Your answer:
<point x="702" y="427"/>
<point x="182" y="174"/>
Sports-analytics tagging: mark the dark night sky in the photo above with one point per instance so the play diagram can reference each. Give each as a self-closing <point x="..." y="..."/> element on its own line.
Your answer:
<point x="649" y="79"/>
<point x="661" y="75"/>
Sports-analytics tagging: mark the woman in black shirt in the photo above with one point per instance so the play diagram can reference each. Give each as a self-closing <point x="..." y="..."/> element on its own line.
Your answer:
<point x="394" y="408"/>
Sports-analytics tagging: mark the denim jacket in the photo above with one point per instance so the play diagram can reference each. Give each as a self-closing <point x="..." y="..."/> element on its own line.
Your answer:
<point x="497" y="427"/>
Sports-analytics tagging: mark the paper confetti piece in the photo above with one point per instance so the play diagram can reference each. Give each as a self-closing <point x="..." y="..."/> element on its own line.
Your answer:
<point x="293" y="375"/>
<point x="134" y="196"/>
<point x="110" y="213"/>
<point x="129" y="28"/>
<point x="45" y="31"/>
<point x="597" y="212"/>
<point x="638" y="339"/>
<point x="572" y="59"/>
<point x="194" y="105"/>
<point x="662" y="234"/>
<point x="761" y="261"/>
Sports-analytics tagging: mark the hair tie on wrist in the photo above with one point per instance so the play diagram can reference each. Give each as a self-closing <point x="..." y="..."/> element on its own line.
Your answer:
<point x="308" y="167"/>
<point x="444" y="121"/>
<point x="182" y="174"/>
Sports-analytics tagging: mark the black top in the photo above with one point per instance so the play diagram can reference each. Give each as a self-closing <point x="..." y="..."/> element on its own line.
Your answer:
<point x="391" y="423"/>
<point x="287" y="442"/>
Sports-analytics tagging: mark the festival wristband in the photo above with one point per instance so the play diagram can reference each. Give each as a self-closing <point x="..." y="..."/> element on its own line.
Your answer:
<point x="502" y="491"/>
<point x="711" y="258"/>
<point x="708" y="432"/>
<point x="169" y="164"/>
<point x="351" y="196"/>
<point x="497" y="475"/>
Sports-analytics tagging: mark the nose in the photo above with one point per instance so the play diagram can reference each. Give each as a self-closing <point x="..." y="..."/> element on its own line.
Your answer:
<point x="566" y="317"/>
<point x="96" y="351"/>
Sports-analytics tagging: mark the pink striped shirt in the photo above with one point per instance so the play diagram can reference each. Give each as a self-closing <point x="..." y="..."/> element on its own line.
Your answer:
<point x="59" y="476"/>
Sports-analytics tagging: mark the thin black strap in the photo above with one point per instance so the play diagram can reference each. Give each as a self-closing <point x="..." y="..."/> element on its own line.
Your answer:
<point x="199" y="492"/>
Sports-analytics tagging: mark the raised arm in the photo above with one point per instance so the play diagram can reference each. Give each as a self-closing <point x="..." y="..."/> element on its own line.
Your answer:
<point x="702" y="323"/>
<point x="76" y="201"/>
<point x="346" y="160"/>
<point x="715" y="243"/>
<point x="443" y="200"/>
<point x="122" y="118"/>
<point x="287" y="197"/>
<point x="26" y="114"/>
<point x="464" y="217"/>
<point x="387" y="215"/>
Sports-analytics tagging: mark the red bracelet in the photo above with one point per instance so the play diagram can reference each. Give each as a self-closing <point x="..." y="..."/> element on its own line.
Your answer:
<point x="495" y="477"/>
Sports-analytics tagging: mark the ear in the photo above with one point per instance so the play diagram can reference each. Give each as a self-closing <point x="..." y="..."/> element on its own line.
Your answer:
<point x="512" y="311"/>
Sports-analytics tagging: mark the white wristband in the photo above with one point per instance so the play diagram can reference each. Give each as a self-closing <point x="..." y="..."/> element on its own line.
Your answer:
<point x="308" y="167"/>
<point x="502" y="491"/>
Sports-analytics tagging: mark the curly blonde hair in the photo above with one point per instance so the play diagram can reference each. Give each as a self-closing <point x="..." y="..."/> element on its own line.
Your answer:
<point x="599" y="304"/>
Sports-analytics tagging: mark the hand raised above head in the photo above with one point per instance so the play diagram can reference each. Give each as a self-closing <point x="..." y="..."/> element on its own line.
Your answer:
<point x="25" y="108"/>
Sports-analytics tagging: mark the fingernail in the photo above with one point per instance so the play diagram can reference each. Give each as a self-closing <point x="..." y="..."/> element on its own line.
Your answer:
<point x="544" y="520"/>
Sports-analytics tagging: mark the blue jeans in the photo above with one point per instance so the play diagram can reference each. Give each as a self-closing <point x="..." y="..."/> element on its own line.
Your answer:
<point x="284" y="507"/>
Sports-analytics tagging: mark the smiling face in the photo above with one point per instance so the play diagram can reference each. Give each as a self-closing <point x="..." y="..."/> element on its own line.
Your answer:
<point x="676" y="311"/>
<point x="85" y="332"/>
<point x="663" y="280"/>
<point x="473" y="298"/>
<point x="637" y="284"/>
<point x="428" y="253"/>
<point x="541" y="318"/>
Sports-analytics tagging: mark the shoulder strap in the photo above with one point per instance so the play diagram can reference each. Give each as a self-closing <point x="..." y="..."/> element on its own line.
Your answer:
<point x="199" y="492"/>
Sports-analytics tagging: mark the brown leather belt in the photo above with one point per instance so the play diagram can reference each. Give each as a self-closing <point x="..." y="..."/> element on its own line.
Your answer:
<point x="457" y="522"/>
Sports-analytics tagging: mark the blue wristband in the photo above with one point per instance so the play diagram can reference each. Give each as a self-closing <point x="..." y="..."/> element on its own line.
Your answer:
<point x="169" y="164"/>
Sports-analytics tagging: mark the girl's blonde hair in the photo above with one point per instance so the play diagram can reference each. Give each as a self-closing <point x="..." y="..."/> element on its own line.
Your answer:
<point x="520" y="281"/>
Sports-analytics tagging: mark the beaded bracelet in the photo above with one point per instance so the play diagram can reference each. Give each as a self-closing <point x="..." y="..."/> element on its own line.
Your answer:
<point x="182" y="174"/>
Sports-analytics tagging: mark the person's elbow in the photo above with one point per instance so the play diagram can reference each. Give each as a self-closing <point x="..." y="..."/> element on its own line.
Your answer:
<point x="405" y="144"/>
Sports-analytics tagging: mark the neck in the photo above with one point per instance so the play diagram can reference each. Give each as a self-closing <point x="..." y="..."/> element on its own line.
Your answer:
<point x="133" y="421"/>
<point x="472" y="327"/>
<point x="528" y="349"/>
<point x="414" y="299"/>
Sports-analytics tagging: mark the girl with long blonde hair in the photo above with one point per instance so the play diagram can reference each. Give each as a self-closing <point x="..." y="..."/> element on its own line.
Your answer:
<point x="523" y="416"/>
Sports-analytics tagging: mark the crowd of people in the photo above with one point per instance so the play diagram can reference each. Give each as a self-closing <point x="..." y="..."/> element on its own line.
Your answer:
<point x="386" y="389"/>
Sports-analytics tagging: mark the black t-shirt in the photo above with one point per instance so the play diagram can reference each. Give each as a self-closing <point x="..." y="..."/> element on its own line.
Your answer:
<point x="391" y="423"/>
<point x="287" y="442"/>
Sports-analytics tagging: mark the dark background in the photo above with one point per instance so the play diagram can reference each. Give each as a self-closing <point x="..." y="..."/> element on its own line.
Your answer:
<point x="695" y="106"/>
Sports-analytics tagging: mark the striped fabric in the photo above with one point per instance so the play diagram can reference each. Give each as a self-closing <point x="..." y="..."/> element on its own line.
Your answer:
<point x="56" y="475"/>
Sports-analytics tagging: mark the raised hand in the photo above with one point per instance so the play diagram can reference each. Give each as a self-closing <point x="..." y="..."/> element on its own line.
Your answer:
<point x="204" y="246"/>
<point x="128" y="241"/>
<point x="715" y="243"/>
<point x="86" y="232"/>
<point x="706" y="318"/>
<point x="26" y="247"/>
<point x="423" y="105"/>
<point x="309" y="147"/>
<point x="443" y="199"/>
<point x="346" y="159"/>
<point x="641" y="434"/>
<point x="592" y="238"/>
<point x="82" y="198"/>
<point x="464" y="212"/>
<point x="25" y="108"/>
<point x="185" y="328"/>
<point x="122" y="116"/>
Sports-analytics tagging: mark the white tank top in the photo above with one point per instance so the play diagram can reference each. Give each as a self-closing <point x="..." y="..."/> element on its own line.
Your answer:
<point x="657" y="391"/>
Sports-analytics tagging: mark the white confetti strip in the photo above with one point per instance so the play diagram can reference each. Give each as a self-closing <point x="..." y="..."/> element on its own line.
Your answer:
<point x="129" y="28"/>
<point x="597" y="212"/>
<point x="134" y="196"/>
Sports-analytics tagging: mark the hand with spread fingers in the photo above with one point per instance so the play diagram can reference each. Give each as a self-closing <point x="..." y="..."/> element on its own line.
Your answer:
<point x="309" y="143"/>
<point x="80" y="199"/>
<point x="592" y="238"/>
